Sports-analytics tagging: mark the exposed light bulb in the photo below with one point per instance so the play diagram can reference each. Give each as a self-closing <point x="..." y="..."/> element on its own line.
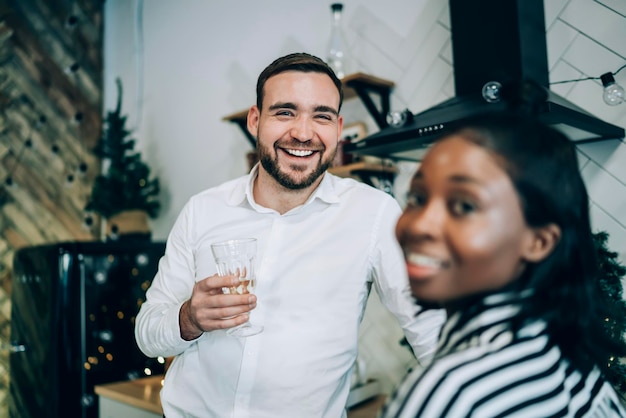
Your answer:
<point x="491" y="91"/>
<point x="613" y="93"/>
<point x="398" y="119"/>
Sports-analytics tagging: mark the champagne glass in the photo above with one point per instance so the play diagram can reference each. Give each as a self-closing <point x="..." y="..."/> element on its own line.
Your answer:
<point x="237" y="257"/>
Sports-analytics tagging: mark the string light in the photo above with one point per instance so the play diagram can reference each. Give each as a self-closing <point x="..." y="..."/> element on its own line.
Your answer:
<point x="71" y="22"/>
<point x="41" y="122"/>
<point x="612" y="93"/>
<point x="8" y="180"/>
<point x="69" y="180"/>
<point x="72" y="68"/>
<point x="88" y="221"/>
<point x="81" y="170"/>
<point x="77" y="118"/>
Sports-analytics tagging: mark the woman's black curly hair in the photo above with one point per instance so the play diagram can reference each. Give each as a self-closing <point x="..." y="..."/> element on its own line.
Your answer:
<point x="543" y="166"/>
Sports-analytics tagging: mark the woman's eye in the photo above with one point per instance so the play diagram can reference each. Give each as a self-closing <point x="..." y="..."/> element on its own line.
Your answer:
<point x="462" y="207"/>
<point x="415" y="200"/>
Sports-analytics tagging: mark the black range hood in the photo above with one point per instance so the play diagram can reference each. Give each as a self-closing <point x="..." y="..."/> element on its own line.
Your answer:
<point x="492" y="40"/>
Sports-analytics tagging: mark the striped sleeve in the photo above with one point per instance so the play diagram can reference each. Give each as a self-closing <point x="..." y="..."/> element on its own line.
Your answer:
<point x="524" y="379"/>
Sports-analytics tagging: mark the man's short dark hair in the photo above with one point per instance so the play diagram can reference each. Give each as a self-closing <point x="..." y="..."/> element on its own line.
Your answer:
<point x="299" y="61"/>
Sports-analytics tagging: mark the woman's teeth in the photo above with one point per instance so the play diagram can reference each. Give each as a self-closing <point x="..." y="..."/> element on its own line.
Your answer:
<point x="423" y="260"/>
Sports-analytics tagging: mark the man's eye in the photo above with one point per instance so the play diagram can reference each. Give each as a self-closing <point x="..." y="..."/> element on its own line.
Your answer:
<point x="284" y="113"/>
<point x="324" y="117"/>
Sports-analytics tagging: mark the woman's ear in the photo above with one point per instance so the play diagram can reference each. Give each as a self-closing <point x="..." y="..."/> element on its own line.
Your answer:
<point x="542" y="242"/>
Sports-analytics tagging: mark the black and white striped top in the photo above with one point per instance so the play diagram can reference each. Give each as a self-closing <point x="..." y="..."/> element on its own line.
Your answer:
<point x="481" y="369"/>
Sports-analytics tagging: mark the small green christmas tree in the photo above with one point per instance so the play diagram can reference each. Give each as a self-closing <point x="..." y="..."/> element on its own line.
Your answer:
<point x="611" y="275"/>
<point x="125" y="184"/>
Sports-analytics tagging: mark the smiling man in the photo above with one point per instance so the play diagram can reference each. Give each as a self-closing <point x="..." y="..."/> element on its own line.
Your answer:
<point x="297" y="134"/>
<point x="322" y="242"/>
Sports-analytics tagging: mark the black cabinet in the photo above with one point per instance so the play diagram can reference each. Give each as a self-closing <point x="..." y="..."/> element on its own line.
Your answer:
<point x="73" y="307"/>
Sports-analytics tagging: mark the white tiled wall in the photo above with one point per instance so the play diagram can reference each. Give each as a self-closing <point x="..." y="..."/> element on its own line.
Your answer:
<point x="585" y="39"/>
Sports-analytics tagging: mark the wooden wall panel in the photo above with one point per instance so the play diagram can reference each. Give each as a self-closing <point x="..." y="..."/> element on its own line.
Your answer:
<point x="50" y="120"/>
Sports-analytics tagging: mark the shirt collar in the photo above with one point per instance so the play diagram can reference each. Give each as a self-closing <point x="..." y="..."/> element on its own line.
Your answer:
<point x="327" y="191"/>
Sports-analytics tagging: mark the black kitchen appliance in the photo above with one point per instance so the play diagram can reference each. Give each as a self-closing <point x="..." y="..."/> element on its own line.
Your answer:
<point x="73" y="307"/>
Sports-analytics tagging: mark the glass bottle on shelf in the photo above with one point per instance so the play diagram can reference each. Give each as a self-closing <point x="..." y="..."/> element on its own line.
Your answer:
<point x="338" y="57"/>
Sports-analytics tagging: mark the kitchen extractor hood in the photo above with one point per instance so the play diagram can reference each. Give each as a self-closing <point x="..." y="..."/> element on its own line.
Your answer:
<point x="501" y="41"/>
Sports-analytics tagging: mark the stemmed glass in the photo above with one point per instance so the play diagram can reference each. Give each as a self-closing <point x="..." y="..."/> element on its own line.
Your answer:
<point x="237" y="257"/>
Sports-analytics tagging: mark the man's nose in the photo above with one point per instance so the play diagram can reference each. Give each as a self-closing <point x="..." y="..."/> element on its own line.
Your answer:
<point x="302" y="129"/>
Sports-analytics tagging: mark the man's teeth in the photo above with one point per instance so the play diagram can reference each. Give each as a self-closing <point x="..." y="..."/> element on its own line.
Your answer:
<point x="423" y="260"/>
<point x="299" y="152"/>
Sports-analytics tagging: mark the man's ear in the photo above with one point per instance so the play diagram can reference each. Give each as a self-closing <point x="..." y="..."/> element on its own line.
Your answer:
<point x="253" y="120"/>
<point x="339" y="126"/>
<point x="541" y="243"/>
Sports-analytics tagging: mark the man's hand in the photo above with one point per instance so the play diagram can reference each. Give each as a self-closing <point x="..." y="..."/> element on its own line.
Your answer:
<point x="210" y="309"/>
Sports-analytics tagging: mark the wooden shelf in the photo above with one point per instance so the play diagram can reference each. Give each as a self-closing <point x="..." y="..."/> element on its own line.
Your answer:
<point x="362" y="167"/>
<point x="359" y="85"/>
<point x="241" y="115"/>
<point x="379" y="175"/>
<point x="363" y="86"/>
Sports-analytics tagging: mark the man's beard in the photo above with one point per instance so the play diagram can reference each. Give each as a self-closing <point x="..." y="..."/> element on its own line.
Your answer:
<point x="269" y="162"/>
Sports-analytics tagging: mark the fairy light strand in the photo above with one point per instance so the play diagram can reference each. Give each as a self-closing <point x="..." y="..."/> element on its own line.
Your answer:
<point x="587" y="78"/>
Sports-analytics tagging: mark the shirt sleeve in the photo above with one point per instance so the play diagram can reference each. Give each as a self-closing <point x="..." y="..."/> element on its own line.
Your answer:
<point x="157" y="327"/>
<point x="421" y="327"/>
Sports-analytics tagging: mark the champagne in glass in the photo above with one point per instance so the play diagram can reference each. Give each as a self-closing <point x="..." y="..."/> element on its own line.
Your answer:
<point x="237" y="257"/>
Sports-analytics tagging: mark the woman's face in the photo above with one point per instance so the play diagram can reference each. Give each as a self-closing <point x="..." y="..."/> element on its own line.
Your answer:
<point x="463" y="231"/>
